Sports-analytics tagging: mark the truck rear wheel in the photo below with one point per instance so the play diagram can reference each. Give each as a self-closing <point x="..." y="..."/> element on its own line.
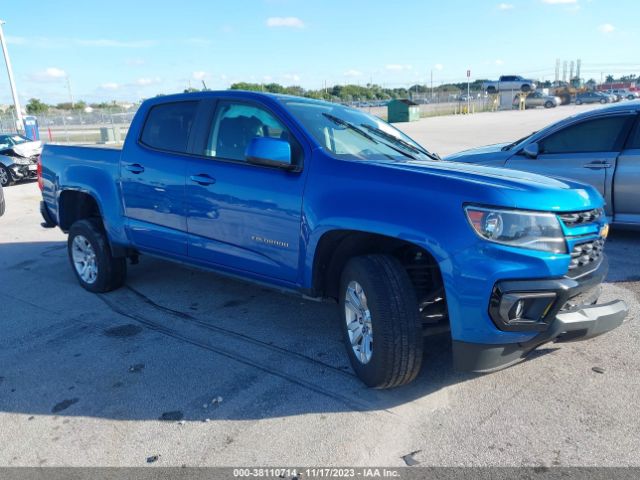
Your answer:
<point x="377" y="300"/>
<point x="95" y="267"/>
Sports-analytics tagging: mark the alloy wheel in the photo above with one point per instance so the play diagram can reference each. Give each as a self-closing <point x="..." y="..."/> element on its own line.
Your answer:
<point x="358" y="319"/>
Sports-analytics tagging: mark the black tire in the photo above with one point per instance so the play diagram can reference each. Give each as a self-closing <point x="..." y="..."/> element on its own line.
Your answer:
<point x="578" y="102"/>
<point x="603" y="100"/>
<point x="397" y="350"/>
<point x="526" y="88"/>
<point x="549" y="105"/>
<point x="111" y="271"/>
<point x="492" y="90"/>
<point x="6" y="179"/>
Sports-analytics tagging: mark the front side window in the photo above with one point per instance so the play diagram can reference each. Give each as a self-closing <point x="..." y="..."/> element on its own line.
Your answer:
<point x="235" y="125"/>
<point x="598" y="135"/>
<point x="352" y="134"/>
<point x="168" y="126"/>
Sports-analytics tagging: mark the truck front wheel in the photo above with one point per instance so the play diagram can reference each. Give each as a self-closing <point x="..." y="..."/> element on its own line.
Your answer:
<point x="380" y="321"/>
<point x="95" y="267"/>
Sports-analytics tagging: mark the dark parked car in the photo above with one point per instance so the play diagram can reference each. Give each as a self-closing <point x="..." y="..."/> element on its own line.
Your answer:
<point x="592" y="97"/>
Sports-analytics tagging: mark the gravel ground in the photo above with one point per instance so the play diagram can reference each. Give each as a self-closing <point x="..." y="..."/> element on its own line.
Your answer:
<point x="202" y="370"/>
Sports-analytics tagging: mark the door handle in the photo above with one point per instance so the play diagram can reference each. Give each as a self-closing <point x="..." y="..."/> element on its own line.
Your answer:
<point x="597" y="165"/>
<point x="135" y="168"/>
<point x="203" y="179"/>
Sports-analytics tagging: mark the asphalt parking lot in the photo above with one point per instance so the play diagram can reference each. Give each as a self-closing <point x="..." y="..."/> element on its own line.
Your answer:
<point x="195" y="369"/>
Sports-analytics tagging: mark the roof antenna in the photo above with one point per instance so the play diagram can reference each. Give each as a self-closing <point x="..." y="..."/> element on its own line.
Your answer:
<point x="204" y="85"/>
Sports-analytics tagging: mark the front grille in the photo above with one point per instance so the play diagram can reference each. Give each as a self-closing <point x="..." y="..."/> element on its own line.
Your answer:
<point x="585" y="256"/>
<point x="574" y="219"/>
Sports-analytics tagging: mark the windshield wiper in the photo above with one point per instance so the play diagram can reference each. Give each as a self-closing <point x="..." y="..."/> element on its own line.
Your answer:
<point x="399" y="141"/>
<point x="350" y="126"/>
<point x="358" y="130"/>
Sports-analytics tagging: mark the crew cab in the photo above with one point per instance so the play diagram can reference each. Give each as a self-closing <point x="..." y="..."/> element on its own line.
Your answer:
<point x="334" y="203"/>
<point x="599" y="147"/>
<point x="507" y="83"/>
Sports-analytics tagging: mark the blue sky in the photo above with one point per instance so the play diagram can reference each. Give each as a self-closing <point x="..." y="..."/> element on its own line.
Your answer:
<point x="127" y="50"/>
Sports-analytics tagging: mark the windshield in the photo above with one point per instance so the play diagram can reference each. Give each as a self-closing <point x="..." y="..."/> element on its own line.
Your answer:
<point x="7" y="141"/>
<point x="348" y="133"/>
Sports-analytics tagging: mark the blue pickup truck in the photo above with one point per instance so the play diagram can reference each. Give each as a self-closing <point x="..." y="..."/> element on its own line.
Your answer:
<point x="333" y="203"/>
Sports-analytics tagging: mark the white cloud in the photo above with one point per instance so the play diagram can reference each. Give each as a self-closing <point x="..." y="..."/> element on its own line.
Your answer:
<point x="292" y="77"/>
<point x="108" y="42"/>
<point x="559" y="2"/>
<point x="290" y="22"/>
<point x="11" y="40"/>
<point x="499" y="62"/>
<point x="200" y="75"/>
<point x="197" y="42"/>
<point x="135" y="62"/>
<point x="267" y="78"/>
<point x="144" y="82"/>
<point x="50" y="74"/>
<point x="506" y="6"/>
<point x="439" y="67"/>
<point x="396" y="67"/>
<point x="110" y="86"/>
<point x="54" y="72"/>
<point x="353" y="73"/>
<point x="606" y="28"/>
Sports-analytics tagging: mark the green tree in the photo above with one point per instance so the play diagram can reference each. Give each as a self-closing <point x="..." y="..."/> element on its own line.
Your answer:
<point x="36" y="107"/>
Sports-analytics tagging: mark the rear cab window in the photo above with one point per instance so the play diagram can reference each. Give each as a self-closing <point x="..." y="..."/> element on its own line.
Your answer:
<point x="168" y="126"/>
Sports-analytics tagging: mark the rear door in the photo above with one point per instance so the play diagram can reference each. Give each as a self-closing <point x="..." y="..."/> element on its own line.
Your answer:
<point x="626" y="181"/>
<point x="585" y="151"/>
<point x="152" y="172"/>
<point x="241" y="216"/>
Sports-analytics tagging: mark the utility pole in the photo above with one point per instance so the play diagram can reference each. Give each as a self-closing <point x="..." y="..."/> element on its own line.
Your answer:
<point x="432" y="85"/>
<point x="12" y="84"/>
<point x="69" y="90"/>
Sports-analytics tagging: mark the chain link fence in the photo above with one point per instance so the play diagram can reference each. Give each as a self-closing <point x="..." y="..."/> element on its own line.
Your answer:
<point x="78" y="126"/>
<point x="109" y="126"/>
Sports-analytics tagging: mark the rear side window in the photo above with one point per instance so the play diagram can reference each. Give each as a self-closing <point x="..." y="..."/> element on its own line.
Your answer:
<point x="598" y="135"/>
<point x="168" y="126"/>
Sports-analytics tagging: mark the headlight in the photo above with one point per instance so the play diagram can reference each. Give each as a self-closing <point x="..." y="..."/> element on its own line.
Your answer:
<point x="518" y="228"/>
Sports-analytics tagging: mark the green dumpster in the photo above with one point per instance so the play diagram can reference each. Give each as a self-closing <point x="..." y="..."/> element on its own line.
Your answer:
<point x="402" y="110"/>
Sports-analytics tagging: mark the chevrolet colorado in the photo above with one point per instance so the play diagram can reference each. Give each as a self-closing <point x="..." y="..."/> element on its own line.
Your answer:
<point x="336" y="204"/>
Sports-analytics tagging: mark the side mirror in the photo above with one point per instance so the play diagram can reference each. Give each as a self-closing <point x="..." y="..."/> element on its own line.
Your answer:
<point x="270" y="152"/>
<point x="531" y="150"/>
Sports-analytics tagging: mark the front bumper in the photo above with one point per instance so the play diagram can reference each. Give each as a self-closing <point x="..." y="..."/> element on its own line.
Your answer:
<point x="23" y="171"/>
<point x="576" y="317"/>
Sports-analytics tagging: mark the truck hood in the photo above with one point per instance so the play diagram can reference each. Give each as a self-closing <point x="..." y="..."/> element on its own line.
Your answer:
<point x="515" y="188"/>
<point x="492" y="154"/>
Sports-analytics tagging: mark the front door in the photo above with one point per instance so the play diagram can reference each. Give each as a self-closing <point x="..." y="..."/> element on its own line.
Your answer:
<point x="586" y="152"/>
<point x="626" y="194"/>
<point x="241" y="216"/>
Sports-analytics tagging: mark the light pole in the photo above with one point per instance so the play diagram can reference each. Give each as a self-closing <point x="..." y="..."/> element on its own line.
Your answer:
<point x="12" y="84"/>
